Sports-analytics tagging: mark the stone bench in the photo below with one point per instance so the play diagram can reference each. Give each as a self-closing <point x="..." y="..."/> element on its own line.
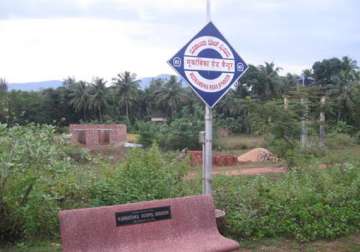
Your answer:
<point x="171" y="225"/>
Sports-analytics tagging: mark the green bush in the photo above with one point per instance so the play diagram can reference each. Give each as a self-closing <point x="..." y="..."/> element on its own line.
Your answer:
<point x="357" y="137"/>
<point x="77" y="154"/>
<point x="304" y="205"/>
<point x="179" y="134"/>
<point x="339" y="140"/>
<point x="145" y="175"/>
<point x="341" y="127"/>
<point x="148" y="133"/>
<point x="39" y="176"/>
<point x="36" y="179"/>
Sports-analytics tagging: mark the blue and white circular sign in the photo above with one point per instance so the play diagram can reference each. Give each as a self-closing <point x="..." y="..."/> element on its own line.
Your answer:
<point x="209" y="64"/>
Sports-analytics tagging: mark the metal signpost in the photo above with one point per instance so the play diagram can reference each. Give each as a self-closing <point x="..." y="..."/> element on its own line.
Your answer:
<point x="211" y="66"/>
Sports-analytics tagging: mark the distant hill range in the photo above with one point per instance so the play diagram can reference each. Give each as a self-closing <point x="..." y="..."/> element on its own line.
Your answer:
<point x="41" y="85"/>
<point x="145" y="82"/>
<point x="35" y="86"/>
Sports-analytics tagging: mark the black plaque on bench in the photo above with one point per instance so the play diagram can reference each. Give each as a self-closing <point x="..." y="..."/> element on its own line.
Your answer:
<point x="143" y="215"/>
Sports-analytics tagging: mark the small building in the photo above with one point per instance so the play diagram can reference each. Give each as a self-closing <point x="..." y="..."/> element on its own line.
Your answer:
<point x="98" y="136"/>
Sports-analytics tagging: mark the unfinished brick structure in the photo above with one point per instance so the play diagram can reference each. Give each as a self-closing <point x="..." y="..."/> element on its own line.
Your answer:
<point x="218" y="159"/>
<point x="98" y="136"/>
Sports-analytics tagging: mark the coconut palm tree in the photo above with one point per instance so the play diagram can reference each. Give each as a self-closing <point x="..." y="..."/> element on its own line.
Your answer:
<point x="126" y="88"/>
<point x="170" y="96"/>
<point x="98" y="97"/>
<point x="79" y="97"/>
<point x="350" y="70"/>
<point x="4" y="104"/>
<point x="262" y="82"/>
<point x="3" y="85"/>
<point x="69" y="82"/>
<point x="271" y="81"/>
<point x="341" y="87"/>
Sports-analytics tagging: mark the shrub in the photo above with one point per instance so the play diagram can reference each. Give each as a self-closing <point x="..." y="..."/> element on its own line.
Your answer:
<point x="77" y="154"/>
<point x="304" y="205"/>
<point x="341" y="127"/>
<point x="179" y="134"/>
<point x="357" y="137"/>
<point x="36" y="176"/>
<point x="145" y="175"/>
<point x="148" y="133"/>
<point x="339" y="140"/>
<point x="40" y="175"/>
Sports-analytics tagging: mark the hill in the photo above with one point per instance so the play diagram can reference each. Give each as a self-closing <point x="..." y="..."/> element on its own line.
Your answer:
<point x="40" y="85"/>
<point x="35" y="86"/>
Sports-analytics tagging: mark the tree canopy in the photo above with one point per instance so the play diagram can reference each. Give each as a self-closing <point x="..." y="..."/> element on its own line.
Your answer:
<point x="122" y="99"/>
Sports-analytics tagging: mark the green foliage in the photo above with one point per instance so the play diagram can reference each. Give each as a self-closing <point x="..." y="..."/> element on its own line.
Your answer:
<point x="339" y="140"/>
<point x="357" y="137"/>
<point x="170" y="96"/>
<point x="146" y="175"/>
<point x="304" y="205"/>
<point x="126" y="91"/>
<point x="98" y="97"/>
<point x="77" y="154"/>
<point x="341" y="127"/>
<point x="148" y="133"/>
<point x="240" y="142"/>
<point x="40" y="175"/>
<point x="124" y="101"/>
<point x="232" y="113"/>
<point x="264" y="81"/>
<point x="271" y="118"/>
<point x="281" y="128"/>
<point x="179" y="134"/>
<point x="36" y="180"/>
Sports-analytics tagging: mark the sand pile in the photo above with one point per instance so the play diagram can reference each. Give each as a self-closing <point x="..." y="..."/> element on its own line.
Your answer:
<point x="257" y="155"/>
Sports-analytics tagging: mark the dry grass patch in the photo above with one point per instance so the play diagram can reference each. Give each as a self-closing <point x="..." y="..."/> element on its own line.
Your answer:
<point x="241" y="142"/>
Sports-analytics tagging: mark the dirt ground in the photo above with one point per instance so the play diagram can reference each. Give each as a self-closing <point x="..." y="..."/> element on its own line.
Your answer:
<point x="251" y="171"/>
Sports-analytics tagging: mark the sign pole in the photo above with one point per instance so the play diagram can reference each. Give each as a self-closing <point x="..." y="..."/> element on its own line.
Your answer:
<point x="208" y="150"/>
<point x="208" y="11"/>
<point x="211" y="66"/>
<point x="207" y="161"/>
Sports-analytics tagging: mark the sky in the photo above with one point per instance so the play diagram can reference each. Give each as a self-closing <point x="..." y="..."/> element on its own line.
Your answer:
<point x="54" y="39"/>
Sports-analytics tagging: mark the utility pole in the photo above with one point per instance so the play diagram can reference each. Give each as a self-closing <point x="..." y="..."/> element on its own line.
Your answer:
<point x="286" y="103"/>
<point x="208" y="131"/>
<point x="322" y="122"/>
<point x="303" y="137"/>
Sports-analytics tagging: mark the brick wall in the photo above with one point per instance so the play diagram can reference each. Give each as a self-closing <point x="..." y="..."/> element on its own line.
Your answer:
<point x="218" y="159"/>
<point x="99" y="136"/>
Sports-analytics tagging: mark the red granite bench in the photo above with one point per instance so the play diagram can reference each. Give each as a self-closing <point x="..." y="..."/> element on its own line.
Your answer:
<point x="171" y="225"/>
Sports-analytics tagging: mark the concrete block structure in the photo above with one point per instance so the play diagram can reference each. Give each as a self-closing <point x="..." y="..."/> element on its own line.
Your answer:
<point x="98" y="136"/>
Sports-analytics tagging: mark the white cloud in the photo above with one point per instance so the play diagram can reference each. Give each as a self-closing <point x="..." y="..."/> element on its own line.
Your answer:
<point x="163" y="4"/>
<point x="51" y="39"/>
<point x="53" y="49"/>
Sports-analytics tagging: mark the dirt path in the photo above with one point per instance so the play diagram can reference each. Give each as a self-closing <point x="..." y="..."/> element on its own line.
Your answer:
<point x="251" y="171"/>
<point x="244" y="171"/>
